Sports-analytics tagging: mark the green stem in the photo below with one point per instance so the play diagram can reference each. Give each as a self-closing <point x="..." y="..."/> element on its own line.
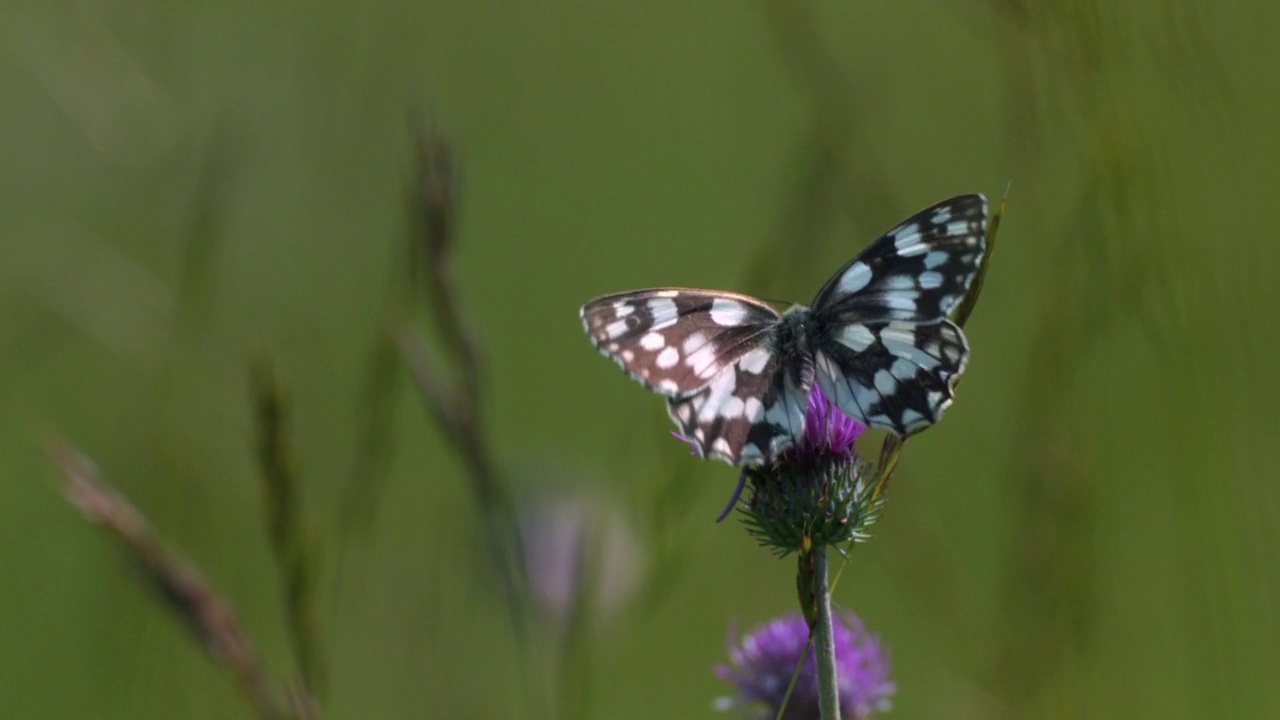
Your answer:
<point x="824" y="644"/>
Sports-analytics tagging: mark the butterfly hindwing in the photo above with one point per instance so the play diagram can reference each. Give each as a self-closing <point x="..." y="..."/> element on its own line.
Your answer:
<point x="750" y="411"/>
<point x="917" y="271"/>
<point x="675" y="340"/>
<point x="896" y="375"/>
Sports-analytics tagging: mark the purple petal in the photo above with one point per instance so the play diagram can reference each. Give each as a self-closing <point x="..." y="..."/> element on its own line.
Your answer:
<point x="762" y="662"/>
<point x="827" y="427"/>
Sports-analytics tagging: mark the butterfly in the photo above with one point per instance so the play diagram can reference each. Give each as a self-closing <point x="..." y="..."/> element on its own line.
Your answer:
<point x="737" y="373"/>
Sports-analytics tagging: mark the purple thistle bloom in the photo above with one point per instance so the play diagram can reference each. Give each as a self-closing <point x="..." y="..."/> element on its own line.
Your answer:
<point x="816" y="492"/>
<point x="827" y="429"/>
<point x="761" y="666"/>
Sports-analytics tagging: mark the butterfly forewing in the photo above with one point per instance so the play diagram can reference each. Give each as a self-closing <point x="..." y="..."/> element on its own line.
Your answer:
<point x="675" y="340"/>
<point x="749" y="412"/>
<point x="918" y="271"/>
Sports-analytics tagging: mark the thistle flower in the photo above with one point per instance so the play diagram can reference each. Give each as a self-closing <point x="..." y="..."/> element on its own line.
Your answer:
<point x="762" y="663"/>
<point x="580" y="553"/>
<point x="817" y="492"/>
<point x="827" y="429"/>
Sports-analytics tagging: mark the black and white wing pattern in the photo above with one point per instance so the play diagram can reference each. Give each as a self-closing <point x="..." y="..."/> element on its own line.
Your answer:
<point x="885" y="351"/>
<point x="675" y="340"/>
<point x="714" y="355"/>
<point x="750" y="411"/>
<point x="895" y="375"/>
<point x="737" y="375"/>
<point x="917" y="271"/>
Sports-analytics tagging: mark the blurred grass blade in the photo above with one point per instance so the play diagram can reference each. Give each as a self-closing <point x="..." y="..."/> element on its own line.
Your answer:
<point x="174" y="579"/>
<point x="291" y="544"/>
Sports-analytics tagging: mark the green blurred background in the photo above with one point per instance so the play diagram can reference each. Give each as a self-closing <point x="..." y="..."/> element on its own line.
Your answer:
<point x="188" y="189"/>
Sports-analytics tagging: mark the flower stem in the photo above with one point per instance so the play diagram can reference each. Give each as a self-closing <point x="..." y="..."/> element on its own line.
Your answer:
<point x="824" y="645"/>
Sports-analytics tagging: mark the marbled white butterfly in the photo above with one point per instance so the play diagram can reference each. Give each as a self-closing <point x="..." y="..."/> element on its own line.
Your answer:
<point x="737" y="374"/>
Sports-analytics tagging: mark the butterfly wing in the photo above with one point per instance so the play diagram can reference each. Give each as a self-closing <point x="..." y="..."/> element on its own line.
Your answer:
<point x="674" y="341"/>
<point x="884" y="350"/>
<point x="751" y="410"/>
<point x="896" y="375"/>
<point x="917" y="271"/>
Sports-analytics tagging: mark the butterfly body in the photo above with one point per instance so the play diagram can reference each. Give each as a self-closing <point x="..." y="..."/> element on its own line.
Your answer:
<point x="793" y="340"/>
<point x="737" y="374"/>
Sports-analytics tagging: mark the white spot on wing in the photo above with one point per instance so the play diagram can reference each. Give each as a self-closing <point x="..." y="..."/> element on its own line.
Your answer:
<point x="755" y="361"/>
<point x="856" y="336"/>
<point x="623" y="308"/>
<point x="703" y="361"/>
<point x="721" y="389"/>
<point x="866" y="398"/>
<point x="915" y="247"/>
<point x="616" y="329"/>
<point x="668" y="358"/>
<point x="930" y="279"/>
<point x="902" y="301"/>
<point x="664" y="311"/>
<point x="900" y="339"/>
<point x="732" y="408"/>
<point x="727" y="313"/>
<point x="905" y="237"/>
<point x="653" y="341"/>
<point x="694" y="342"/>
<point x="903" y="369"/>
<point x="885" y="383"/>
<point x="953" y="353"/>
<point x="935" y="258"/>
<point x="912" y="419"/>
<point x="855" y="278"/>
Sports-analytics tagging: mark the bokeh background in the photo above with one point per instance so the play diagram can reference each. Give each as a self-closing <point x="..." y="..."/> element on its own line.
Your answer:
<point x="189" y="191"/>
